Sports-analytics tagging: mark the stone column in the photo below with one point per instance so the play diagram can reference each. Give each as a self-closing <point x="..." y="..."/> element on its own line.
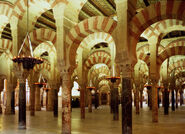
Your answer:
<point x="154" y="101"/>
<point x="149" y="88"/>
<point x="66" y="102"/>
<point x="55" y="108"/>
<point x="22" y="103"/>
<point x="126" y="106"/>
<point x="50" y="100"/>
<point x="9" y="88"/>
<point x="115" y="102"/>
<point x="100" y="94"/>
<point x="181" y="98"/>
<point x="96" y="102"/>
<point x="141" y="98"/>
<point x="176" y="91"/>
<point x="108" y="98"/>
<point x="32" y="99"/>
<point x="13" y="102"/>
<point x="90" y="102"/>
<point x="37" y="99"/>
<point x="173" y="99"/>
<point x="111" y="100"/>
<point x="0" y="103"/>
<point x="82" y="101"/>
<point x="137" y="101"/>
<point x="166" y="99"/>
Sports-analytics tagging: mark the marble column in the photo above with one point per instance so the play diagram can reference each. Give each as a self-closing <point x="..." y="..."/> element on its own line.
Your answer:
<point x="137" y="101"/>
<point x="100" y="102"/>
<point x="50" y="100"/>
<point x="37" y="99"/>
<point x="141" y="98"/>
<point x="108" y="98"/>
<point x="13" y="102"/>
<point x="166" y="100"/>
<point x="32" y="99"/>
<point x="111" y="100"/>
<point x="126" y="106"/>
<point x="66" y="103"/>
<point x="9" y="88"/>
<point x="22" y="103"/>
<point x="96" y="101"/>
<point x="47" y="98"/>
<point x="181" y="98"/>
<point x="158" y="90"/>
<point x="154" y="101"/>
<point x="90" y="102"/>
<point x="0" y="103"/>
<point x="115" y="102"/>
<point x="173" y="100"/>
<point x="149" y="88"/>
<point x="82" y="102"/>
<point x="55" y="106"/>
<point x="176" y="91"/>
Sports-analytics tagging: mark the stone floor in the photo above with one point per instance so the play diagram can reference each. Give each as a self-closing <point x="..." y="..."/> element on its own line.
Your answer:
<point x="98" y="122"/>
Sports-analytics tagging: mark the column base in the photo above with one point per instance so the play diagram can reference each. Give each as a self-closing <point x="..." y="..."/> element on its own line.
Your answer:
<point x="1" y="111"/>
<point x="49" y="108"/>
<point x="8" y="110"/>
<point x="22" y="126"/>
<point x="37" y="108"/>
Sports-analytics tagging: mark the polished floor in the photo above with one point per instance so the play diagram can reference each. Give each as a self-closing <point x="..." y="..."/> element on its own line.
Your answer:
<point x="98" y="122"/>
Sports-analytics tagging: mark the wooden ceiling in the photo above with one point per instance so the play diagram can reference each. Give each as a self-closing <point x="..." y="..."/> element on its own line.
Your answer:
<point x="97" y="8"/>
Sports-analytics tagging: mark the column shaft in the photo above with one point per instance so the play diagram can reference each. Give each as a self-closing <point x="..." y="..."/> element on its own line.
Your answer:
<point x="22" y="104"/>
<point x="126" y="106"/>
<point x="0" y="104"/>
<point x="37" y="99"/>
<point x="50" y="100"/>
<point x="166" y="101"/>
<point x="141" y="98"/>
<point x="32" y="100"/>
<point x="82" y="103"/>
<point x="154" y="102"/>
<point x="55" y="108"/>
<point x="137" y="101"/>
<point x="115" y="103"/>
<point x="66" y="104"/>
<point x="181" y="98"/>
<point x="13" y="102"/>
<point x="173" y="100"/>
<point x="90" y="102"/>
<point x="176" y="98"/>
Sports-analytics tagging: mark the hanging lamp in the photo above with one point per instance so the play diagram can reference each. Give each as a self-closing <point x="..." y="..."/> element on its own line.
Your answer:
<point x="28" y="62"/>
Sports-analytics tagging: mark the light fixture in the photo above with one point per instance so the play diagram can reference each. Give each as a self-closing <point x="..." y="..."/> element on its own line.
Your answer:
<point x="41" y="83"/>
<point x="28" y="61"/>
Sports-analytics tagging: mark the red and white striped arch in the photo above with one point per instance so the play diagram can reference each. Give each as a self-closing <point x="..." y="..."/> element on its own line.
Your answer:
<point x="96" y="38"/>
<point x="85" y="28"/>
<point x="6" y="44"/>
<point x="39" y="36"/>
<point x="151" y="14"/>
<point x="178" y="65"/>
<point x="45" y="46"/>
<point x="178" y="50"/>
<point x="163" y="27"/>
<point x="142" y="52"/>
<point x="42" y="66"/>
<point x="39" y="6"/>
<point x="5" y="14"/>
<point x="180" y="42"/>
<point x="96" y="58"/>
<point x="103" y="83"/>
